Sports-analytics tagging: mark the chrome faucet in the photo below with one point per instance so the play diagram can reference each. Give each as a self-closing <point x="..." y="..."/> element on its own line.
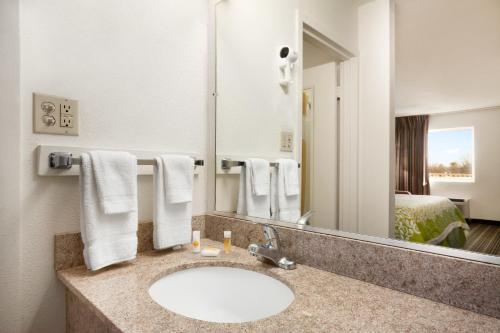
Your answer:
<point x="271" y="250"/>
<point x="304" y="219"/>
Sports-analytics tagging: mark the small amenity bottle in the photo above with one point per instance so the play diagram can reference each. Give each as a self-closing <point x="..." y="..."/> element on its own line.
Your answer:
<point x="227" y="241"/>
<point x="196" y="241"/>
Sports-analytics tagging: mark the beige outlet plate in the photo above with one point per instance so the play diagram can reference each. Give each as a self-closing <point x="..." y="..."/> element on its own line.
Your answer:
<point x="286" y="142"/>
<point x="55" y="115"/>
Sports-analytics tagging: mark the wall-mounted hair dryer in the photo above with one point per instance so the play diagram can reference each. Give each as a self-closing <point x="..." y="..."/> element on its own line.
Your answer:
<point x="288" y="57"/>
<point x="287" y="53"/>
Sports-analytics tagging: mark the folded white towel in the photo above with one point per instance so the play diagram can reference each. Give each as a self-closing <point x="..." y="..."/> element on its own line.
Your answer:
<point x="107" y="238"/>
<point x="285" y="207"/>
<point x="259" y="176"/>
<point x="173" y="184"/>
<point x="115" y="174"/>
<point x="178" y="171"/>
<point x="249" y="203"/>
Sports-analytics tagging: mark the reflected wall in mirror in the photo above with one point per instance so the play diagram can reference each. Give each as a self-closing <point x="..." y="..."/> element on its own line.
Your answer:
<point x="383" y="124"/>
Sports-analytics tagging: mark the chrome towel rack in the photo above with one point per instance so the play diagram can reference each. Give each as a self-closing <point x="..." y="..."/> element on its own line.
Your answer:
<point x="64" y="160"/>
<point x="227" y="164"/>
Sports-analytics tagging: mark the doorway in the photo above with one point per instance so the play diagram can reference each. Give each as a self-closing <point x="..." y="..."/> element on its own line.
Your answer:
<point x="323" y="65"/>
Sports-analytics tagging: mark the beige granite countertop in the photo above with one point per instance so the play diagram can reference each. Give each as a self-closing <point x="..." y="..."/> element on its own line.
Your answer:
<point x="324" y="302"/>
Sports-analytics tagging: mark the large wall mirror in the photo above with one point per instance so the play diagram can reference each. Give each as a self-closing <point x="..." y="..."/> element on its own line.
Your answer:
<point x="376" y="118"/>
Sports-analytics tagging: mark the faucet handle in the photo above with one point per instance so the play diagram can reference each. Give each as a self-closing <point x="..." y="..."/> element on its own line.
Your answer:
<point x="286" y="264"/>
<point x="252" y="249"/>
<point x="272" y="236"/>
<point x="304" y="219"/>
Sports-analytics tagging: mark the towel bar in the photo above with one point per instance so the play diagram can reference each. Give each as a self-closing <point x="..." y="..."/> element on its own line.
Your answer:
<point x="63" y="160"/>
<point x="227" y="164"/>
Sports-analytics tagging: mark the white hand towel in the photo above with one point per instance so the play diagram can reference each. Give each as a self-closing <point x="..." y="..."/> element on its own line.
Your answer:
<point x="291" y="173"/>
<point x="285" y="207"/>
<point x="259" y="176"/>
<point x="178" y="171"/>
<point x="249" y="203"/>
<point x="107" y="238"/>
<point x="274" y="194"/>
<point x="115" y="174"/>
<point x="173" y="183"/>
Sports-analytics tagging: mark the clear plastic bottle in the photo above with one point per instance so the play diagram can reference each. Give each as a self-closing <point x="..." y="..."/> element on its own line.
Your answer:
<point x="196" y="241"/>
<point x="227" y="242"/>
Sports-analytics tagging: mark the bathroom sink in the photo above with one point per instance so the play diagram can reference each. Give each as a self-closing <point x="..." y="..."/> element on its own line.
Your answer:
<point x="221" y="294"/>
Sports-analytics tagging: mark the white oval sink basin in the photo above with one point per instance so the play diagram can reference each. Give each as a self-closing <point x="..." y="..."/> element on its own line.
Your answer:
<point x="221" y="294"/>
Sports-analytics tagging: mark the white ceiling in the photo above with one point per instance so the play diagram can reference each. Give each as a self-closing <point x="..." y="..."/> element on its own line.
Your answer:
<point x="447" y="55"/>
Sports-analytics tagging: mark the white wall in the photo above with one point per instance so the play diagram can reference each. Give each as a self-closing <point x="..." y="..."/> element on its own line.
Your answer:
<point x="139" y="72"/>
<point x="485" y="191"/>
<point x="376" y="119"/>
<point x="252" y="108"/>
<point x="10" y="150"/>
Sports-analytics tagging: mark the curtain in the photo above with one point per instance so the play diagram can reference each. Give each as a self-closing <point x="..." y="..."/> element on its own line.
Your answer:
<point x="411" y="154"/>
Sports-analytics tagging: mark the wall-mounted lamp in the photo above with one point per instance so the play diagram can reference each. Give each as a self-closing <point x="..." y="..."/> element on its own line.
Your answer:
<point x="288" y="57"/>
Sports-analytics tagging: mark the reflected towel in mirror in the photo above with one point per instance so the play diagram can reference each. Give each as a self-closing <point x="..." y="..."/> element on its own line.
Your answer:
<point x="249" y="203"/>
<point x="285" y="207"/>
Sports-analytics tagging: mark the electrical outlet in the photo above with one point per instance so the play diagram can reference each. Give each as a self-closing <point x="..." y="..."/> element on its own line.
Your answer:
<point x="55" y="115"/>
<point x="287" y="141"/>
<point x="66" y="121"/>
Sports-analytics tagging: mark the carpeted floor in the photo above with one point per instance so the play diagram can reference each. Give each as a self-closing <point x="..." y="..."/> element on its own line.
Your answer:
<point x="484" y="238"/>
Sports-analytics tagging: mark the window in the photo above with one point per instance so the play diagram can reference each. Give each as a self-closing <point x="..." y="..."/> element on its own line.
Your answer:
<point x="451" y="154"/>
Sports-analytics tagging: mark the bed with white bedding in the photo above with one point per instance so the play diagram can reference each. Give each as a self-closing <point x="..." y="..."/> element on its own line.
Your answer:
<point x="429" y="219"/>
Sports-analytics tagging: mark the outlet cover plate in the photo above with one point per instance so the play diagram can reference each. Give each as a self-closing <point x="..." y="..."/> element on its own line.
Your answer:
<point x="286" y="142"/>
<point x="55" y="115"/>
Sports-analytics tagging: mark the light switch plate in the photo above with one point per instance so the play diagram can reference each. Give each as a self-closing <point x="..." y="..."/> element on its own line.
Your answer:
<point x="287" y="141"/>
<point x="55" y="115"/>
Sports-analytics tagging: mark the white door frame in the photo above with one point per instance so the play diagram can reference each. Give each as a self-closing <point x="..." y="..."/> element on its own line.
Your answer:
<point x="348" y="121"/>
<point x="211" y="107"/>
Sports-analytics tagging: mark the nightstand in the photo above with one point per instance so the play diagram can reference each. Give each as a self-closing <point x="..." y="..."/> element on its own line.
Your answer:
<point x="464" y="205"/>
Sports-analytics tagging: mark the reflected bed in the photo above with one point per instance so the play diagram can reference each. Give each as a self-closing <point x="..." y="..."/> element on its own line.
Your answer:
<point x="429" y="219"/>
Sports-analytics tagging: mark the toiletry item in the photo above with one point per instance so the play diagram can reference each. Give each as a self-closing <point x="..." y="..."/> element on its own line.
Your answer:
<point x="196" y="241"/>
<point x="227" y="241"/>
<point x="210" y="252"/>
